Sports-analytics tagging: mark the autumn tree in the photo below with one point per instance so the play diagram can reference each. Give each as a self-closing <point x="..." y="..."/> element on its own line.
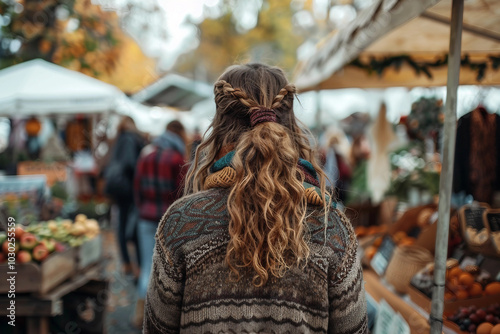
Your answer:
<point x="75" y="34"/>
<point x="223" y="42"/>
<point x="78" y="35"/>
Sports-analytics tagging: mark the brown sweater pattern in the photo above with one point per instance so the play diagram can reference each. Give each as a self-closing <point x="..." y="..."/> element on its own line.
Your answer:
<point x="190" y="289"/>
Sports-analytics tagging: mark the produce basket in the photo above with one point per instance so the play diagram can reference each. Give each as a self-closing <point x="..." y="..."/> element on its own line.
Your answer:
<point x="41" y="277"/>
<point x="89" y="252"/>
<point x="405" y="263"/>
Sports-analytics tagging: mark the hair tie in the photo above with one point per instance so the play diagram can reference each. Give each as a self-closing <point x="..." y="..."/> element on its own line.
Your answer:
<point x="262" y="115"/>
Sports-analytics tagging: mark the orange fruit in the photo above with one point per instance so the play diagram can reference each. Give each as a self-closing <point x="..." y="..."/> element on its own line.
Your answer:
<point x="398" y="236"/>
<point x="484" y="328"/>
<point x="466" y="279"/>
<point x="378" y="241"/>
<point x="462" y="294"/>
<point x="370" y="252"/>
<point x="492" y="289"/>
<point x="475" y="290"/>
<point x="448" y="296"/>
<point x="406" y="241"/>
<point x="360" y="231"/>
<point x="383" y="228"/>
<point x="452" y="284"/>
<point x="372" y="230"/>
<point x="454" y="272"/>
<point x="496" y="329"/>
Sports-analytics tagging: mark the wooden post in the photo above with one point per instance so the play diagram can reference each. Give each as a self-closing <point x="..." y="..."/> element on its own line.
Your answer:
<point x="446" y="180"/>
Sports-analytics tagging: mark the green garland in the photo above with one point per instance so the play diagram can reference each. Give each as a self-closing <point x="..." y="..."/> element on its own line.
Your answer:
<point x="380" y="65"/>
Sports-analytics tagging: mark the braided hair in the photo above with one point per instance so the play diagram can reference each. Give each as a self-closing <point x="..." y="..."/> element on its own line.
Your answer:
<point x="267" y="204"/>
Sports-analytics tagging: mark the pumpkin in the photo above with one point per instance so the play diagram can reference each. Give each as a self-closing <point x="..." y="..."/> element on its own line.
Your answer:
<point x="33" y="127"/>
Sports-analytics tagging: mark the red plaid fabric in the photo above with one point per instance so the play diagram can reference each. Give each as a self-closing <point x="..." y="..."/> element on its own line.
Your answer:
<point x="158" y="182"/>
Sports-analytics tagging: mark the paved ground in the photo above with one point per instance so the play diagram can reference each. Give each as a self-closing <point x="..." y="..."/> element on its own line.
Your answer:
<point x="121" y="304"/>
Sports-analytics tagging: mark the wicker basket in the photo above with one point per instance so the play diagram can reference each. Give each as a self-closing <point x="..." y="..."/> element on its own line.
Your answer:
<point x="473" y="224"/>
<point x="405" y="263"/>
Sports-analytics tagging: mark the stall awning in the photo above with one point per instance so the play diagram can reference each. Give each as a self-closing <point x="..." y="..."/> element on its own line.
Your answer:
<point x="405" y="43"/>
<point x="37" y="87"/>
<point x="174" y="91"/>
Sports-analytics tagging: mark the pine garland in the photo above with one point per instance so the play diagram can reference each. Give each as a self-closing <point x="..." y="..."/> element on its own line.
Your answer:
<point x="380" y="65"/>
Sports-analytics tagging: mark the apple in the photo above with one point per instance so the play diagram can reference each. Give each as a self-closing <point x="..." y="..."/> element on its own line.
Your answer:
<point x="5" y="247"/>
<point x="28" y="241"/>
<point x="59" y="247"/>
<point x="19" y="231"/>
<point x="50" y="244"/>
<point x="23" y="256"/>
<point x="40" y="252"/>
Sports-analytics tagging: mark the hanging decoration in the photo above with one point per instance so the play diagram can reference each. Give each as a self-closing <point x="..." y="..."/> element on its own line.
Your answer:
<point x="380" y="65"/>
<point x="425" y="119"/>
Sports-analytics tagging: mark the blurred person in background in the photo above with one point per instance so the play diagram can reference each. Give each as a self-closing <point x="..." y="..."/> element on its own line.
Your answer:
<point x="33" y="147"/>
<point x="360" y="150"/>
<point x="158" y="183"/>
<point x="256" y="245"/>
<point x="119" y="176"/>
<point x="197" y="138"/>
<point x="337" y="167"/>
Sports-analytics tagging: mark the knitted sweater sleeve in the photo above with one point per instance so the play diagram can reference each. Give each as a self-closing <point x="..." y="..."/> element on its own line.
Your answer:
<point x="162" y="310"/>
<point x="346" y="293"/>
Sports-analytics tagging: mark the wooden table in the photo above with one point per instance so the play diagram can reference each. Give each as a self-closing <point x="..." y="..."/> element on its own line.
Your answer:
<point x="417" y="318"/>
<point x="37" y="308"/>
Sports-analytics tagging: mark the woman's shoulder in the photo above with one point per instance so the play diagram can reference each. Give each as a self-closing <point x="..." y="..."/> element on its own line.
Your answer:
<point x="204" y="201"/>
<point x="332" y="232"/>
<point x="193" y="216"/>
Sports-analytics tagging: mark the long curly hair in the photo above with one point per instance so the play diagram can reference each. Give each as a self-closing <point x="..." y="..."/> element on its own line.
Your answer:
<point x="267" y="204"/>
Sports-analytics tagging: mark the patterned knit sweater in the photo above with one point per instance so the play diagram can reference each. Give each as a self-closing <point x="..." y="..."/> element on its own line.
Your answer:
<point x="190" y="290"/>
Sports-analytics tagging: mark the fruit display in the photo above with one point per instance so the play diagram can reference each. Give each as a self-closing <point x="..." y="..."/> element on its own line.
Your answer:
<point x="29" y="247"/>
<point x="476" y="320"/>
<point x="400" y="238"/>
<point x="462" y="282"/>
<point x="66" y="231"/>
<point x="364" y="231"/>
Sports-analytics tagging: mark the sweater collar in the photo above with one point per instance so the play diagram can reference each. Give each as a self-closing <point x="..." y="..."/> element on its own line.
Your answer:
<point x="223" y="175"/>
<point x="307" y="168"/>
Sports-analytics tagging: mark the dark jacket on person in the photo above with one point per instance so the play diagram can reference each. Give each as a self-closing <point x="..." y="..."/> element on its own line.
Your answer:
<point x="159" y="176"/>
<point x="477" y="162"/>
<point x="119" y="173"/>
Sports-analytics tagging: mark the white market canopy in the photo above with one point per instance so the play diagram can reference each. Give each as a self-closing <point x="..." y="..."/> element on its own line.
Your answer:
<point x="37" y="87"/>
<point x="412" y="36"/>
<point x="175" y="91"/>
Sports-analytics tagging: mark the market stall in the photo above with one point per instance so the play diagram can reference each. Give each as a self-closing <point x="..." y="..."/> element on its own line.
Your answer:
<point x="36" y="93"/>
<point x="48" y="264"/>
<point x="55" y="261"/>
<point x="404" y="43"/>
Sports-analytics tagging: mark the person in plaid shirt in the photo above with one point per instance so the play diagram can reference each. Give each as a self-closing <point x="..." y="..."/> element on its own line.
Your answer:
<point x="157" y="184"/>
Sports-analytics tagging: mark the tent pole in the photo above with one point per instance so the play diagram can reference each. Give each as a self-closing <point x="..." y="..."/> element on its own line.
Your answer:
<point x="317" y="118"/>
<point x="446" y="179"/>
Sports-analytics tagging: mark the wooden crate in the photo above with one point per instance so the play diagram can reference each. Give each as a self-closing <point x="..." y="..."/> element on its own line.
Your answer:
<point x="89" y="253"/>
<point x="450" y="307"/>
<point x="43" y="277"/>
